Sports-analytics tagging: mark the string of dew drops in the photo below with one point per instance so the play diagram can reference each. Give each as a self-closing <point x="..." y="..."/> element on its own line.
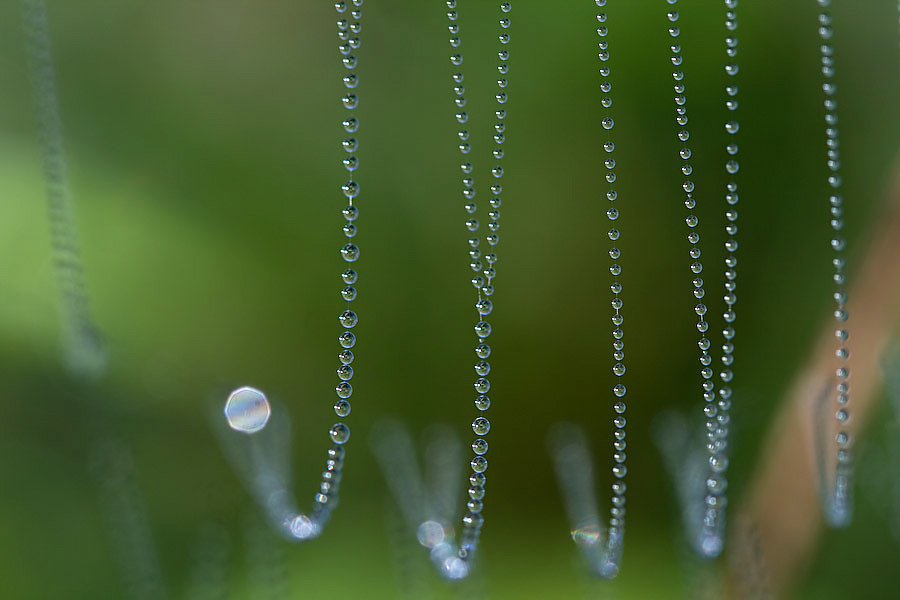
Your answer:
<point x="709" y="533"/>
<point x="451" y="561"/>
<point x="568" y="445"/>
<point x="838" y="499"/>
<point x="608" y="563"/>
<point x="247" y="409"/>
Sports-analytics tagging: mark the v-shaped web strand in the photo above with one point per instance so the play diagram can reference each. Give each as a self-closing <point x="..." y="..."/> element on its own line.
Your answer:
<point x="602" y="547"/>
<point x="700" y="475"/>
<point x="453" y="554"/>
<point x="260" y="452"/>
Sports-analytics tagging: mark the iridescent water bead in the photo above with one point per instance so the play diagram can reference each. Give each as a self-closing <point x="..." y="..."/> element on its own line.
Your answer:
<point x="247" y="410"/>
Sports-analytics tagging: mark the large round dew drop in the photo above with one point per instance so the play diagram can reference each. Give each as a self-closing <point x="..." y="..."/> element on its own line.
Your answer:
<point x="247" y="410"/>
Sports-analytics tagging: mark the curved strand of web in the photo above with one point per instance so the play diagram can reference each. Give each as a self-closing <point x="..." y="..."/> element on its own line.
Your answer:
<point x="247" y="410"/>
<point x="687" y="465"/>
<point x="425" y="502"/>
<point x="600" y="547"/>
<point x="700" y="479"/>
<point x="84" y="352"/>
<point x="454" y="556"/>
<point x="834" y="483"/>
<point x="261" y="459"/>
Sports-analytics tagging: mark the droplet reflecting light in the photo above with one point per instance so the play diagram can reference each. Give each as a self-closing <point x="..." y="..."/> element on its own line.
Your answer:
<point x="247" y="410"/>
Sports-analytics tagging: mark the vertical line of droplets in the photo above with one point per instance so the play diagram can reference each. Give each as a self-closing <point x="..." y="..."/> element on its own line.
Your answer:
<point x="715" y="483"/>
<point x="348" y="36"/>
<point x="617" y="510"/>
<point x="483" y="265"/>
<point x="717" y="433"/>
<point x="836" y="201"/>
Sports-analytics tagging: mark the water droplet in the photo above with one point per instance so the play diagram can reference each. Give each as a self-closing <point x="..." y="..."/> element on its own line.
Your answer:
<point x="483" y="329"/>
<point x="484" y="306"/>
<point x="302" y="527"/>
<point x="430" y="534"/>
<point x="479" y="446"/>
<point x="481" y="426"/>
<point x="718" y="463"/>
<point x="342" y="408"/>
<point x="716" y="484"/>
<point x="339" y="433"/>
<point x="479" y="464"/>
<point x="247" y="410"/>
<point x="350" y="253"/>
<point x="348" y="319"/>
<point x="345" y="372"/>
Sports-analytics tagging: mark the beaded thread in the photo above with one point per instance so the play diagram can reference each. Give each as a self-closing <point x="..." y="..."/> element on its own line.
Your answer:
<point x="708" y="535"/>
<point x="837" y="501"/>
<point x="571" y="456"/>
<point x="247" y="409"/>
<point x="718" y="431"/>
<point x="451" y="561"/>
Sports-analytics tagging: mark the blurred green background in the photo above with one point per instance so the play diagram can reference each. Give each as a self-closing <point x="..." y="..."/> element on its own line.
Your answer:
<point x="203" y="146"/>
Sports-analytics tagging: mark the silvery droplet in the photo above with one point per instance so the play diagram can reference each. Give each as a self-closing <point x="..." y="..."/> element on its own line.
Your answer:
<point x="339" y="433"/>
<point x="483" y="329"/>
<point x="481" y="426"/>
<point x="247" y="410"/>
<point x="342" y="408"/>
<point x="350" y="253"/>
